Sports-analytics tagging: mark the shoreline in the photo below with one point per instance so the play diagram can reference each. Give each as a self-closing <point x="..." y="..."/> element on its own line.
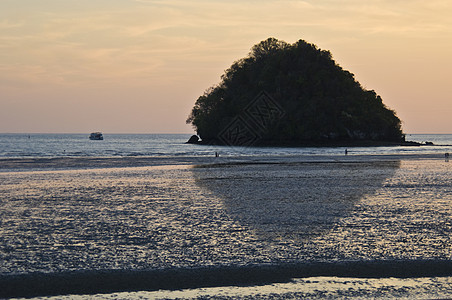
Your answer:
<point x="63" y="163"/>
<point x="318" y="143"/>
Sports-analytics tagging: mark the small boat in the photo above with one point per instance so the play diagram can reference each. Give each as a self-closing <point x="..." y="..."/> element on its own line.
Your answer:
<point x="96" y="136"/>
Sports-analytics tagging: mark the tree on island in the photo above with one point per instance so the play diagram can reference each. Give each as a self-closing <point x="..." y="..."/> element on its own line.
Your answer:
<point x="295" y="94"/>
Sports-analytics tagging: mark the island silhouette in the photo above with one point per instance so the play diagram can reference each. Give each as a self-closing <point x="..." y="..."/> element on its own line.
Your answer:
<point x="285" y="94"/>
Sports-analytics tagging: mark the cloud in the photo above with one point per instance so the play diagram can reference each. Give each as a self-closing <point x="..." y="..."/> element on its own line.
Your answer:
<point x="132" y="41"/>
<point x="8" y="24"/>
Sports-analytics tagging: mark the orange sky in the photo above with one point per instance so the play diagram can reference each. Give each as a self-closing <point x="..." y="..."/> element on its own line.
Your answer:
<point x="137" y="66"/>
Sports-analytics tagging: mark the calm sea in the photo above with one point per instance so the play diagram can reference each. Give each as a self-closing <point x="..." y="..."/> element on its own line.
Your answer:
<point x="85" y="230"/>
<point x="173" y="145"/>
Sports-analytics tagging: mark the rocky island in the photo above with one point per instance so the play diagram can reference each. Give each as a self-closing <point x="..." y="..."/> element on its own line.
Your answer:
<point x="285" y="94"/>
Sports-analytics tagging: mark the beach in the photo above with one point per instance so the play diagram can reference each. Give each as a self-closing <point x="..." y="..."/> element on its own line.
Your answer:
<point x="204" y="219"/>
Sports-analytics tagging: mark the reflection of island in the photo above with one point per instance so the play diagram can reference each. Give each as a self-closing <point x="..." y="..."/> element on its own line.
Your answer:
<point x="292" y="94"/>
<point x="293" y="201"/>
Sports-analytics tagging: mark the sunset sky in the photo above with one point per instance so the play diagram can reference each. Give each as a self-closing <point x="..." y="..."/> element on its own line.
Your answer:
<point x="138" y="66"/>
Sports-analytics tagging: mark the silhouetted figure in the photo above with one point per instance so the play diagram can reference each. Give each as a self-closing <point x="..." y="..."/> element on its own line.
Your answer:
<point x="446" y="156"/>
<point x="216" y="154"/>
<point x="346" y="151"/>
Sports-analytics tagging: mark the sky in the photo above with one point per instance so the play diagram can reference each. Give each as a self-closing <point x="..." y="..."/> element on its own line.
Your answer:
<point x="138" y="66"/>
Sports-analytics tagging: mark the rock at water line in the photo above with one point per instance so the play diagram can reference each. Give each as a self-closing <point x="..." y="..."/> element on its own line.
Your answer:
<point x="194" y="139"/>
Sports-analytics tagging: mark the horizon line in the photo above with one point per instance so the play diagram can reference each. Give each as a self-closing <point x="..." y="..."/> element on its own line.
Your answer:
<point x="193" y="133"/>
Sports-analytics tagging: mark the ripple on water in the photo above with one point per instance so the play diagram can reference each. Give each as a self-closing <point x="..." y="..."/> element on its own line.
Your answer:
<point x="172" y="216"/>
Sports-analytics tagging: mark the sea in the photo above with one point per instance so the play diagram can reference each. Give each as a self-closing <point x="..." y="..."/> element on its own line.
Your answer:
<point x="147" y="216"/>
<point x="173" y="145"/>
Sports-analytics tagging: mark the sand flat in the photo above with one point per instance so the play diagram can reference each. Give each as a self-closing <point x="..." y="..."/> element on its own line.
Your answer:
<point x="231" y="212"/>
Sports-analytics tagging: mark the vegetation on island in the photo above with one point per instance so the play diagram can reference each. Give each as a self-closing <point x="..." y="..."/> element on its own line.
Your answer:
<point x="310" y="100"/>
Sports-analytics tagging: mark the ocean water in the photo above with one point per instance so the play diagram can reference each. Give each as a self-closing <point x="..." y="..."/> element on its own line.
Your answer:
<point x="153" y="213"/>
<point x="173" y="145"/>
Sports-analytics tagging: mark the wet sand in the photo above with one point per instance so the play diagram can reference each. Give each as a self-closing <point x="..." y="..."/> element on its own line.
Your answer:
<point x="305" y="288"/>
<point x="229" y="213"/>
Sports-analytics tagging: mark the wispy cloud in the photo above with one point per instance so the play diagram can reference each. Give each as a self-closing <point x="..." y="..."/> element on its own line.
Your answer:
<point x="136" y="40"/>
<point x="8" y="24"/>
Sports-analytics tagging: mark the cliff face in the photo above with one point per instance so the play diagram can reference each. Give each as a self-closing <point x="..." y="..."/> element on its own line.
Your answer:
<point x="291" y="94"/>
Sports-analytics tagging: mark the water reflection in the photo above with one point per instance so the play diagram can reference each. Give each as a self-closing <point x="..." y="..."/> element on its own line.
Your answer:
<point x="282" y="201"/>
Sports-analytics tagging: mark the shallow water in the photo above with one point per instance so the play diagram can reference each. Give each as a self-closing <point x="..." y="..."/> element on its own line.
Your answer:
<point x="173" y="145"/>
<point x="234" y="214"/>
<point x="306" y="288"/>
